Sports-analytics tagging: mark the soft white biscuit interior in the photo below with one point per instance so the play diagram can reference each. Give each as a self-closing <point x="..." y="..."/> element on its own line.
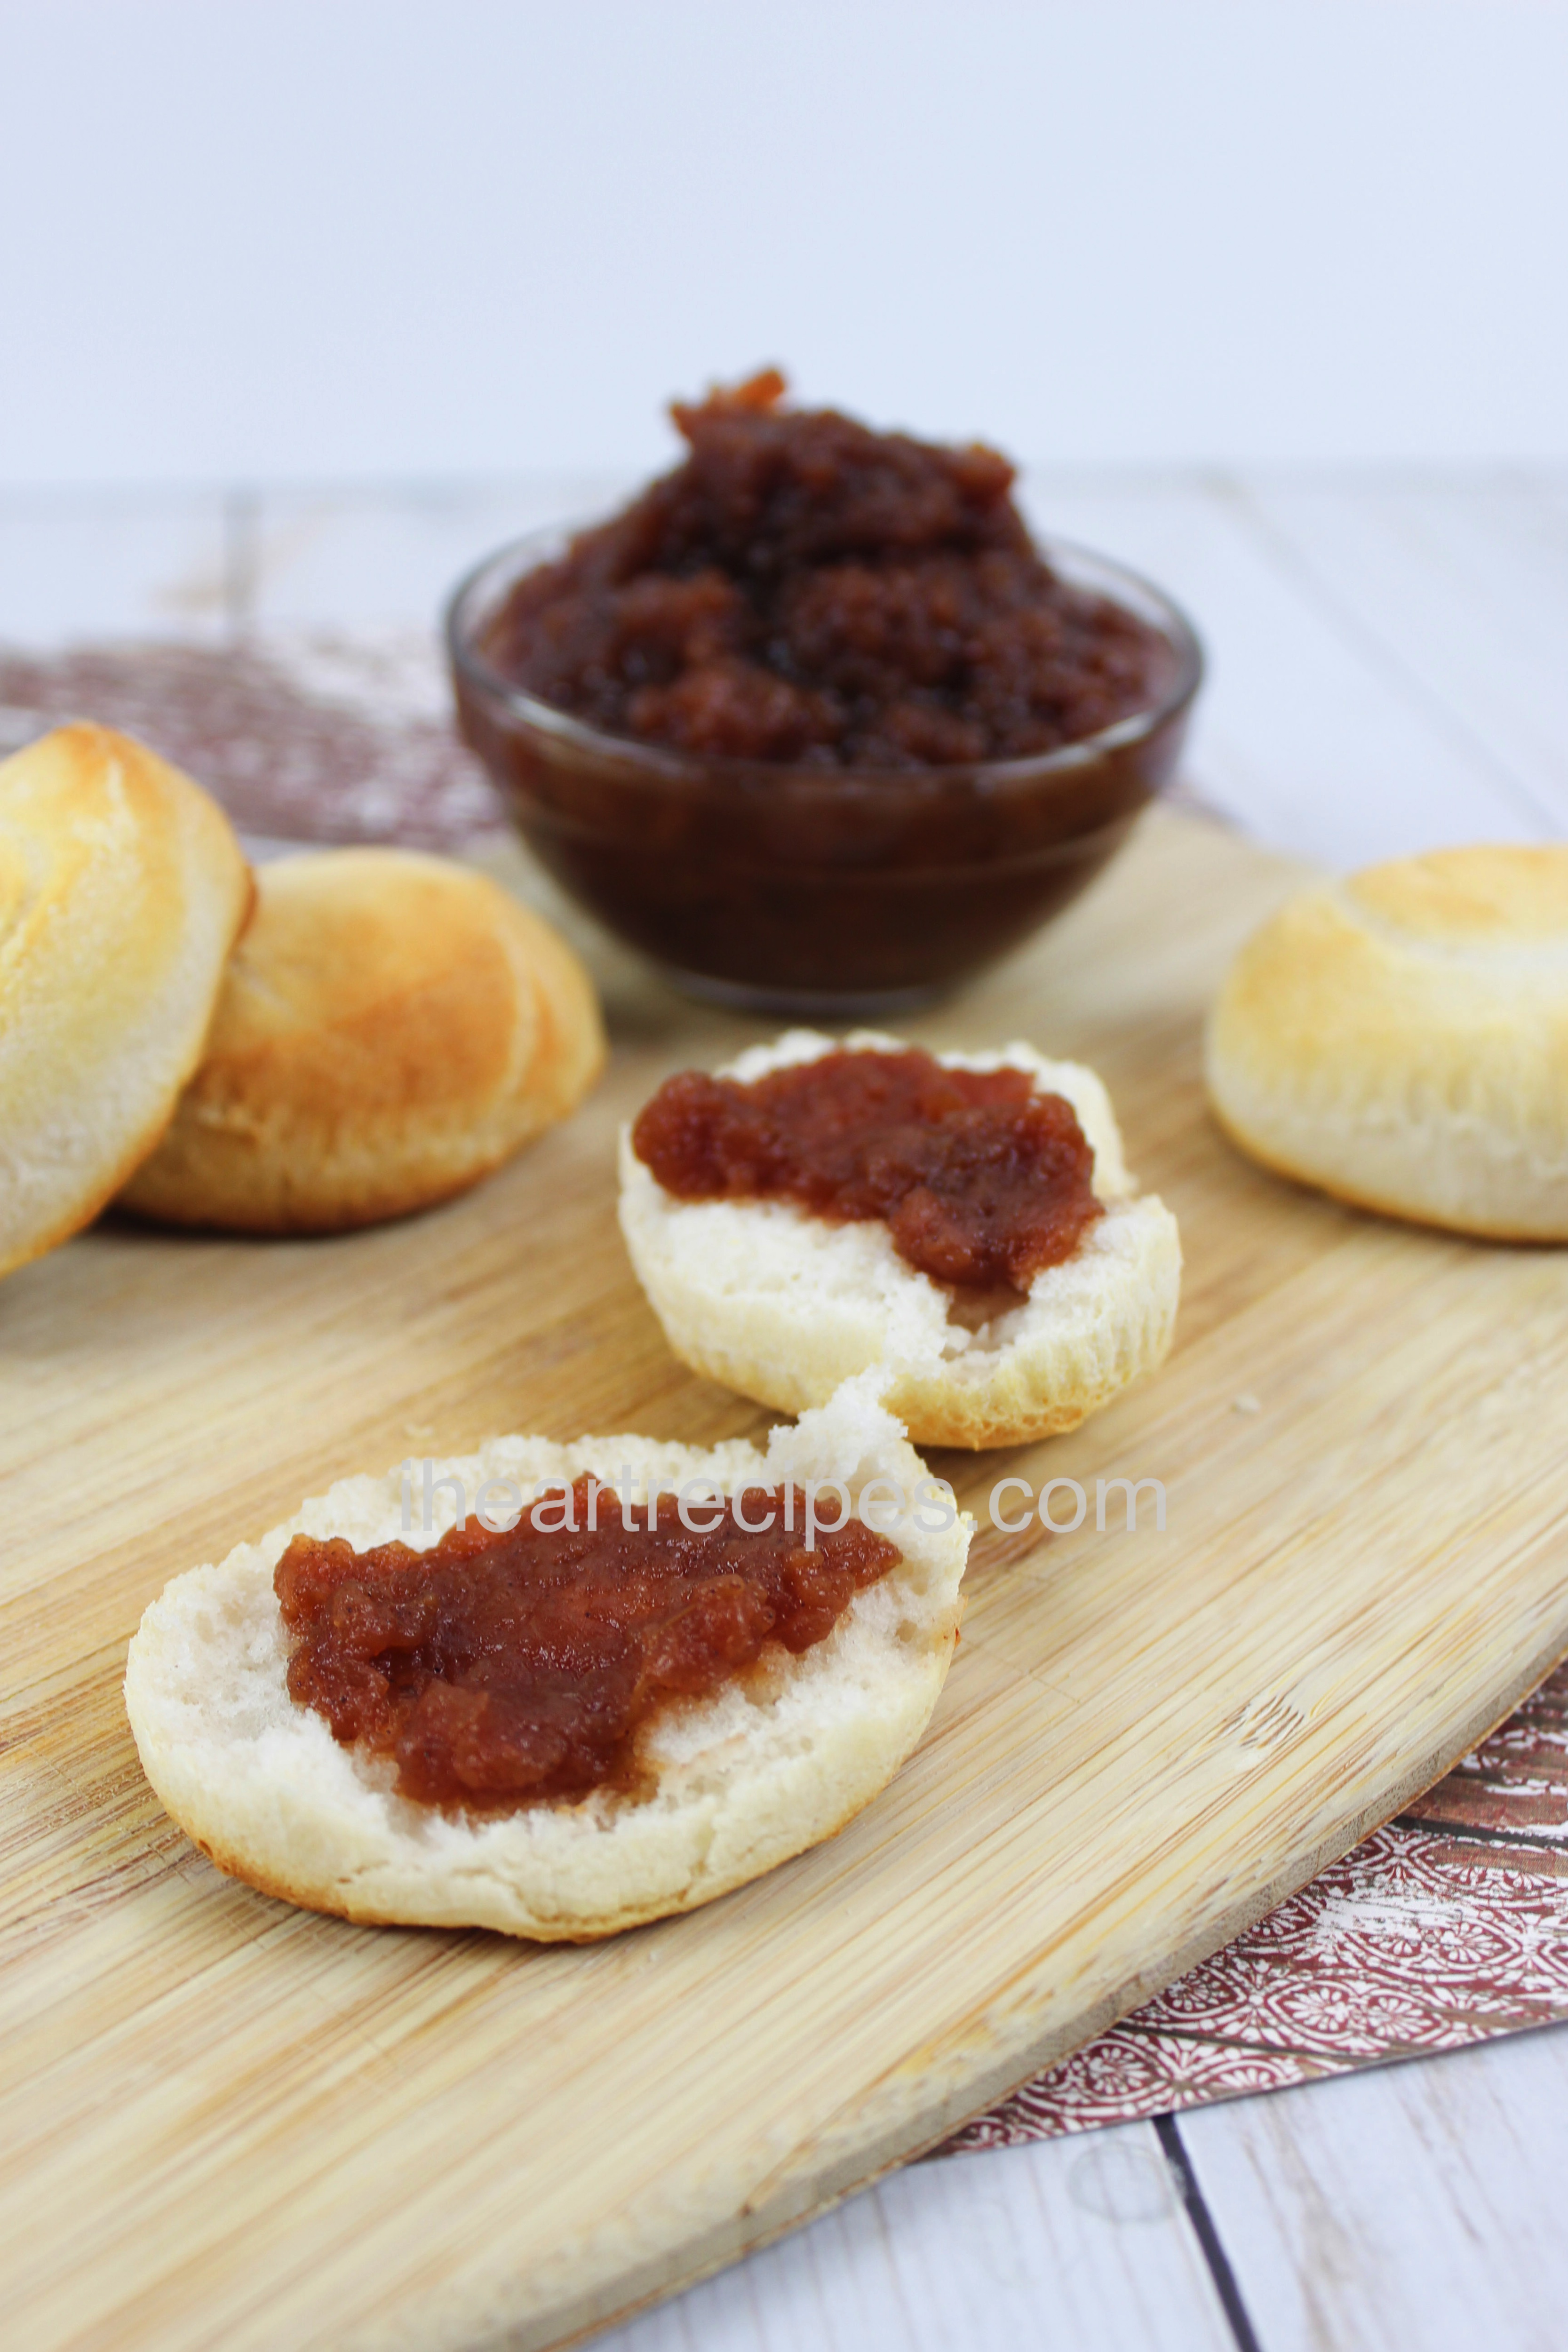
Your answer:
<point x="744" y="1779"/>
<point x="785" y="1304"/>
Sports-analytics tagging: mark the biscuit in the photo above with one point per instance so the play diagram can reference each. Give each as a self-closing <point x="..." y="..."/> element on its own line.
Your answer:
<point x="745" y="1778"/>
<point x="392" y="1028"/>
<point x="1401" y="1041"/>
<point x="784" y="1306"/>
<point x="123" y="889"/>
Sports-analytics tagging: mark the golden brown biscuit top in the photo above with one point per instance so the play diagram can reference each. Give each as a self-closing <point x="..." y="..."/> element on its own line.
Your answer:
<point x="1509" y="894"/>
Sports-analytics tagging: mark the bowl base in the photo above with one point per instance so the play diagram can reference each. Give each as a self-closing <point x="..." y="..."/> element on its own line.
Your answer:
<point x="810" y="1003"/>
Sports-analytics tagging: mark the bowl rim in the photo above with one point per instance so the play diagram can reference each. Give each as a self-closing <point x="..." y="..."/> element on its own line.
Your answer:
<point x="661" y="764"/>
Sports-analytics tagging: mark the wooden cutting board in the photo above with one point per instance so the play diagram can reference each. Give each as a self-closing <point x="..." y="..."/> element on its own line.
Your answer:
<point x="225" y="2123"/>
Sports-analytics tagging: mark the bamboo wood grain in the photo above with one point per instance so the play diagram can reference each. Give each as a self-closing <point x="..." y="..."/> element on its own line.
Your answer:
<point x="226" y="2123"/>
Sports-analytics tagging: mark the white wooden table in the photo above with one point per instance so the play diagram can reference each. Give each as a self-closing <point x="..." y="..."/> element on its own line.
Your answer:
<point x="1389" y="671"/>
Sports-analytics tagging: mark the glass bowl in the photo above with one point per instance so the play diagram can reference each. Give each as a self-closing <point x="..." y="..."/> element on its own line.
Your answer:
<point x="812" y="890"/>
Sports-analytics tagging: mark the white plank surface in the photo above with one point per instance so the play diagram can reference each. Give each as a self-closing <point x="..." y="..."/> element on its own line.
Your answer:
<point x="137" y="564"/>
<point x="1074" y="2245"/>
<point x="1419" y="2205"/>
<point x="1389" y="671"/>
<point x="326" y="560"/>
<point x="1304" y="733"/>
<point x="1460" y="592"/>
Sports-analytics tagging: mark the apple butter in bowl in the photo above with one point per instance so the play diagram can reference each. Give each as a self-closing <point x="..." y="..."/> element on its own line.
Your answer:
<point x="815" y="722"/>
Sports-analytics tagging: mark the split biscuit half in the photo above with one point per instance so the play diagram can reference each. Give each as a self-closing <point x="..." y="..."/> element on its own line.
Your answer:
<point x="761" y="1768"/>
<point x="784" y="1306"/>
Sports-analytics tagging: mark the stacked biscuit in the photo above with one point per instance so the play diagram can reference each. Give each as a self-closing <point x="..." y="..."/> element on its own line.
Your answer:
<point x="343" y="1038"/>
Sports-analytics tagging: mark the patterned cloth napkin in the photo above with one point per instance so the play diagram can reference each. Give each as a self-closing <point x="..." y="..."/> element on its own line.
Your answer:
<point x="1446" y="1926"/>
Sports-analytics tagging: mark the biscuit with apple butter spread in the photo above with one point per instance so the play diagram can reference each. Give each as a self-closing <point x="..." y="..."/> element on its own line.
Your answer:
<point x="677" y="1669"/>
<point x="966" y="1221"/>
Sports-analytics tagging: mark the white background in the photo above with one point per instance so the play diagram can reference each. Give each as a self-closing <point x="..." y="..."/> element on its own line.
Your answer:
<point x="378" y="239"/>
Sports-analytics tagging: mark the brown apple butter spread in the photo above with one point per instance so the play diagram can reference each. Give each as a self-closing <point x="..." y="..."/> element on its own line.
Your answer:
<point x="981" y="1180"/>
<point x="804" y="590"/>
<point x="494" y="1669"/>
